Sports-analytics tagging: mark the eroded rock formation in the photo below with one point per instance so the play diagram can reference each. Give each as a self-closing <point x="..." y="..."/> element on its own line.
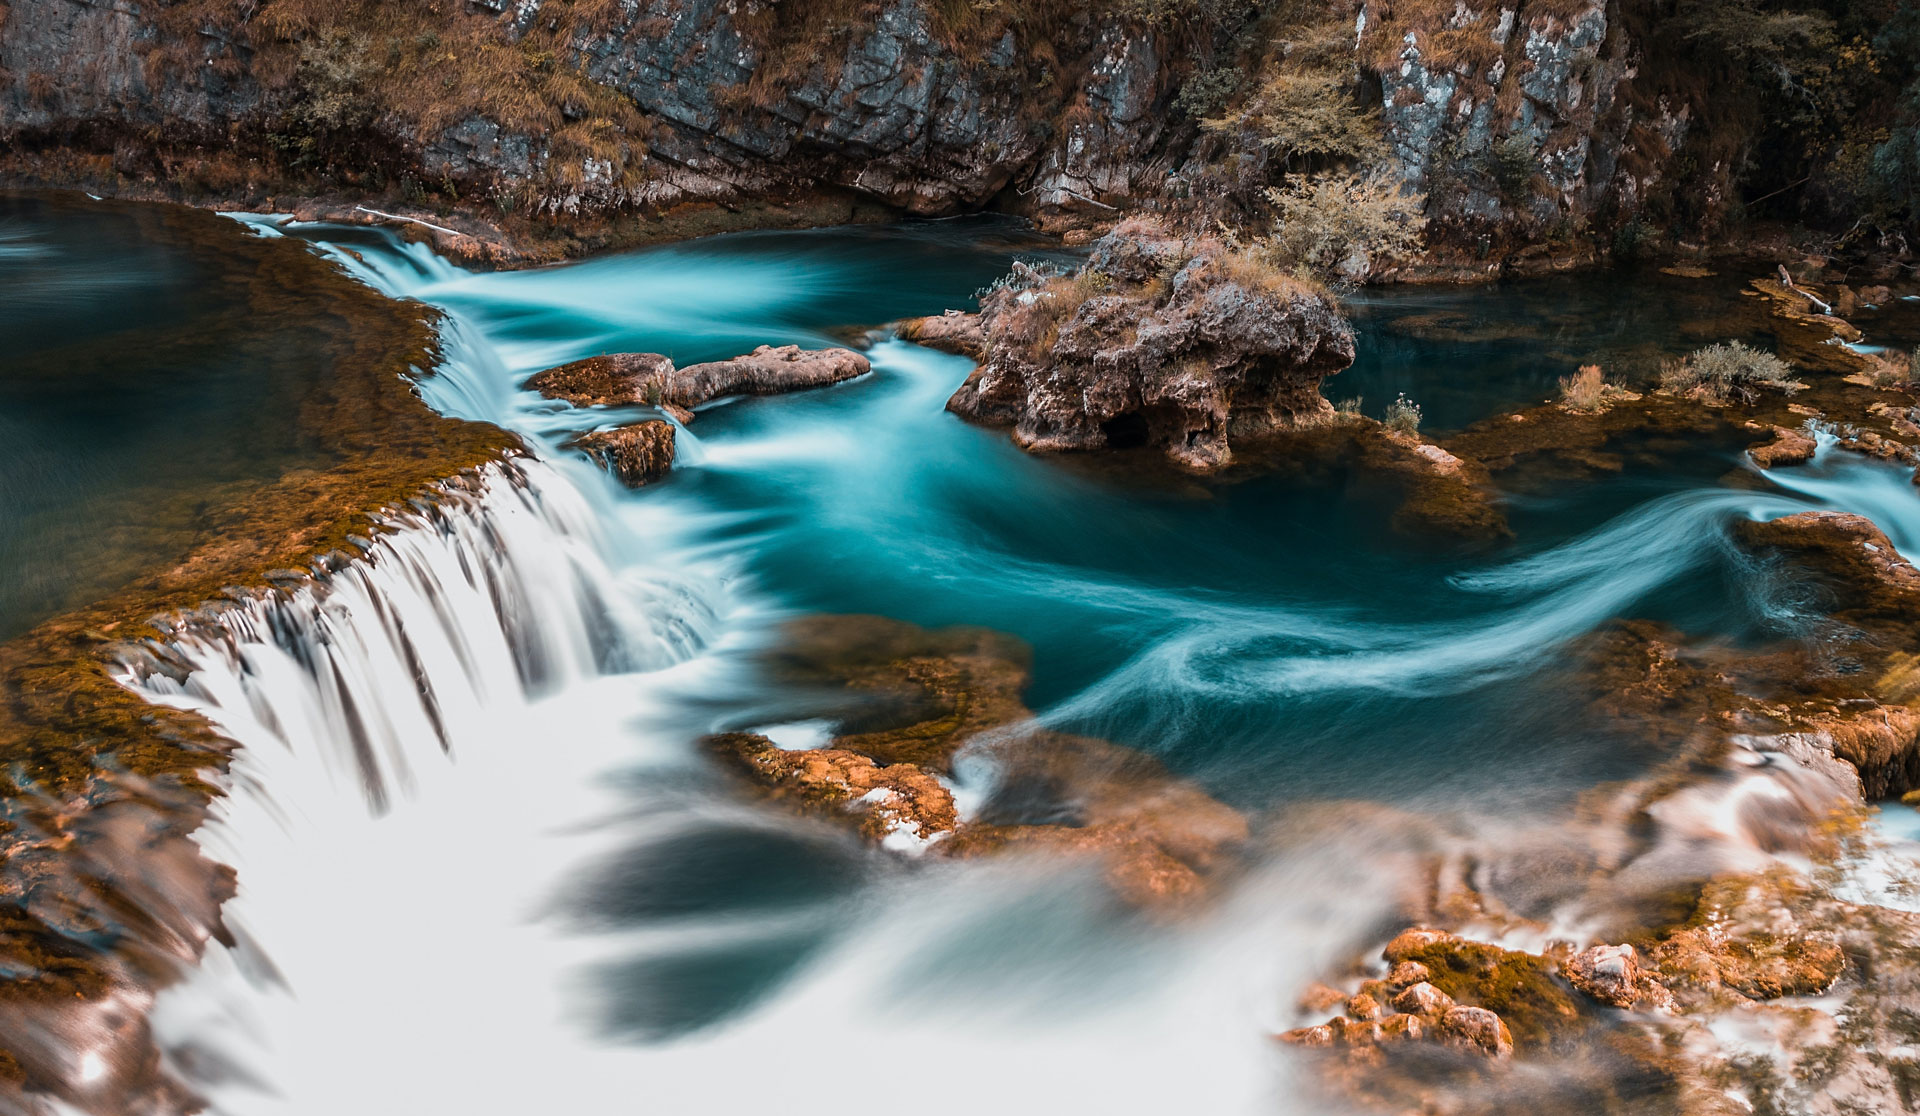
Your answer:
<point x="953" y="332"/>
<point x="1182" y="344"/>
<point x="765" y="371"/>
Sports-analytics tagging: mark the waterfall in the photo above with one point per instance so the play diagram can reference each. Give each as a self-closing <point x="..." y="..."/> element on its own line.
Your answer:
<point x="420" y="731"/>
<point x="491" y="594"/>
<point x="482" y="870"/>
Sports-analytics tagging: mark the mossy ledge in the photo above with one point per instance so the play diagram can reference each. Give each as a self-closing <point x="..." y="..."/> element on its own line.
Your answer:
<point x="103" y="897"/>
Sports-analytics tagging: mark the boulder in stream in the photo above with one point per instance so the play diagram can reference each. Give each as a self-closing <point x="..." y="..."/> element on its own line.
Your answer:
<point x="1179" y="343"/>
<point x="623" y="379"/>
<point x="952" y="332"/>
<point x="1788" y="447"/>
<point x="765" y="371"/>
<point x="612" y="380"/>
<point x="638" y="454"/>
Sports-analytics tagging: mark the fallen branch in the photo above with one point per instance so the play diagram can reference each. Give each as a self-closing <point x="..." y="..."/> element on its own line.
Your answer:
<point x="409" y="220"/>
<point x="1026" y="191"/>
<point x="1787" y="278"/>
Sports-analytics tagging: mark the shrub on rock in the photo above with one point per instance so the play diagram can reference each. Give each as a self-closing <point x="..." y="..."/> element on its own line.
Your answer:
<point x="1729" y="373"/>
<point x="1182" y="344"/>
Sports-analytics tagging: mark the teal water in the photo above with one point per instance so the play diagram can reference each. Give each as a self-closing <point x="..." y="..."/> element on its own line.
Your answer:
<point x="1269" y="635"/>
<point x="1272" y="637"/>
<point x="148" y="358"/>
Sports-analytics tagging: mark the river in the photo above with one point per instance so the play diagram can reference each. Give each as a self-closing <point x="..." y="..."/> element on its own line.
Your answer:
<point x="484" y="866"/>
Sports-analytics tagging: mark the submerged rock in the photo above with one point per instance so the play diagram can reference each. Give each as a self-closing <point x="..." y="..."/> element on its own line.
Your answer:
<point x="1788" y="447"/>
<point x="1523" y="990"/>
<point x="1849" y="549"/>
<point x="1440" y="493"/>
<point x="1162" y="840"/>
<point x="903" y="693"/>
<point x="890" y="801"/>
<point x="1805" y="330"/>
<point x="621" y="379"/>
<point x="1180" y="344"/>
<point x="638" y="455"/>
<point x="1758" y="937"/>
<point x="904" y="700"/>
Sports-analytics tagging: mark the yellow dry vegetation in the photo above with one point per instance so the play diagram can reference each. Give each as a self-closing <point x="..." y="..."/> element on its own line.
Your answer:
<point x="419" y="67"/>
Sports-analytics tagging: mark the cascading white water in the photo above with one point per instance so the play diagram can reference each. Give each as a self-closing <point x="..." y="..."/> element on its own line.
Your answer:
<point x="419" y="733"/>
<point x="491" y="596"/>
<point x="470" y="679"/>
<point x="510" y="680"/>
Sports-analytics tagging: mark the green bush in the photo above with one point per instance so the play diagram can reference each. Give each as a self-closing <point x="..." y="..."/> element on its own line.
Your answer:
<point x="1403" y="416"/>
<point x="1206" y="91"/>
<point x="1341" y="226"/>
<point x="1729" y="373"/>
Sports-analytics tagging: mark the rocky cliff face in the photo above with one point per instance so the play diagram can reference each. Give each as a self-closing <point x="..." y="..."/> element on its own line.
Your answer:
<point x="735" y="100"/>
<point x="68" y="66"/>
<point x="1520" y="116"/>
<point x="897" y="114"/>
<point x="1523" y="122"/>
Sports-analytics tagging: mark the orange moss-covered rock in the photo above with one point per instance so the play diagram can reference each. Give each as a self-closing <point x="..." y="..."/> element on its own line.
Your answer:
<point x="886" y="799"/>
<point x="1522" y="989"/>
<point x="638" y="454"/>
<point x="1752" y="936"/>
<point x="1788" y="447"/>
<point x="952" y="332"/>
<point x="610" y="380"/>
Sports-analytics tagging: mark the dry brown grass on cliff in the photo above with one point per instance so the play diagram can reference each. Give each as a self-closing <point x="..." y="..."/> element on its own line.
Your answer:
<point x="1304" y="105"/>
<point x="1445" y="41"/>
<point x="1257" y="270"/>
<point x="344" y="65"/>
<point x="1892" y="369"/>
<point x="1342" y="227"/>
